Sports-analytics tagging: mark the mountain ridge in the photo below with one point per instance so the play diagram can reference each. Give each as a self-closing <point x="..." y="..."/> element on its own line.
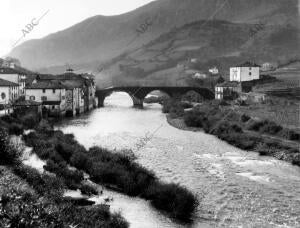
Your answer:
<point x="100" y="38"/>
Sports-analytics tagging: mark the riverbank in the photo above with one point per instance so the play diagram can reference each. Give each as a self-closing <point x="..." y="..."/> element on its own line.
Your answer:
<point x="262" y="136"/>
<point x="115" y="170"/>
<point x="33" y="199"/>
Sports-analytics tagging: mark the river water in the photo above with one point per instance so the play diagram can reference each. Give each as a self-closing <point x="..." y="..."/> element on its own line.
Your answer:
<point x="236" y="188"/>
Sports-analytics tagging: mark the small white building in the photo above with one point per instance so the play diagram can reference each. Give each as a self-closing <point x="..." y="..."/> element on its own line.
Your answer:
<point x="199" y="75"/>
<point x="245" y="72"/>
<point x="214" y="70"/>
<point x="52" y="95"/>
<point x="14" y="76"/>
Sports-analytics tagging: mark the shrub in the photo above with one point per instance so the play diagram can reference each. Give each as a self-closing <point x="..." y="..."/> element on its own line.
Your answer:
<point x="176" y="200"/>
<point x="88" y="190"/>
<point x="29" y="120"/>
<point x="254" y="125"/>
<point x="42" y="183"/>
<point x="245" y="118"/>
<point x="15" y="129"/>
<point x="270" y="128"/>
<point x="194" y="119"/>
<point x="9" y="155"/>
<point x="289" y="134"/>
<point x="80" y="161"/>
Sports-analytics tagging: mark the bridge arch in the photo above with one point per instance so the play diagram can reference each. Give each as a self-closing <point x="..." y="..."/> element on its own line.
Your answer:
<point x="138" y="94"/>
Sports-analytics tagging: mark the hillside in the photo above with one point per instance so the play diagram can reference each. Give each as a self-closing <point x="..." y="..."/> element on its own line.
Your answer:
<point x="100" y="38"/>
<point x="213" y="43"/>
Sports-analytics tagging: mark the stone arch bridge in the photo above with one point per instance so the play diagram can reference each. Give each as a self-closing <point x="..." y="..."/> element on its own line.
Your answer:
<point x="138" y="93"/>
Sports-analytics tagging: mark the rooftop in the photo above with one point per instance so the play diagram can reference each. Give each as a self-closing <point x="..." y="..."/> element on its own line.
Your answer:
<point x="46" y="84"/>
<point x="51" y="102"/>
<point x="7" y="70"/>
<point x="27" y="103"/>
<point x="7" y="83"/>
<point x="71" y="84"/>
<point x="248" y="64"/>
<point x="228" y="84"/>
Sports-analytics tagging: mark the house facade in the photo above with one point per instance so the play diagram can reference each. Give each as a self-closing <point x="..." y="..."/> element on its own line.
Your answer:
<point x="245" y="72"/>
<point x="74" y="97"/>
<point x="227" y="90"/>
<point x="14" y="76"/>
<point x="9" y="92"/>
<point x="52" y="95"/>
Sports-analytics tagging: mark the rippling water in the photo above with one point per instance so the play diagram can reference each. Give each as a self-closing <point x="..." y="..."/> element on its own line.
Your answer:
<point x="239" y="188"/>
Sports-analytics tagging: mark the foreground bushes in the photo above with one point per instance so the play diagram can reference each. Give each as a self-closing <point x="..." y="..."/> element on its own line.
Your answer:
<point x="57" y="212"/>
<point x="115" y="170"/>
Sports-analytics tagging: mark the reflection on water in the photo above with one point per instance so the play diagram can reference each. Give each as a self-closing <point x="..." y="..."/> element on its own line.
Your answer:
<point x="241" y="188"/>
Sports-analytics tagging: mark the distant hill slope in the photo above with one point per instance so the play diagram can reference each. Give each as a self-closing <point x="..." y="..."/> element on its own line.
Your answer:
<point x="101" y="38"/>
<point x="214" y="43"/>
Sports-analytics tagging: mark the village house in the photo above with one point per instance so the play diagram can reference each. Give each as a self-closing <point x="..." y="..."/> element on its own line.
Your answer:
<point x="199" y="75"/>
<point x="15" y="76"/>
<point x="74" y="97"/>
<point x="213" y="70"/>
<point x="52" y="95"/>
<point x="9" y="93"/>
<point x="227" y="90"/>
<point x="82" y="86"/>
<point x="245" y="72"/>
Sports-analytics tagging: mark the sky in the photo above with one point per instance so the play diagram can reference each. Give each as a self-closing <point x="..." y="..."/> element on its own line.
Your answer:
<point x="49" y="16"/>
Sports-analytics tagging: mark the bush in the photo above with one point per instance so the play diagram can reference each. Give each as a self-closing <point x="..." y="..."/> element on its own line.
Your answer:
<point x="245" y="118"/>
<point x="195" y="119"/>
<point x="9" y="155"/>
<point x="29" y="120"/>
<point x="42" y="183"/>
<point x="176" y="200"/>
<point x="80" y="161"/>
<point x="15" y="129"/>
<point x="88" y="190"/>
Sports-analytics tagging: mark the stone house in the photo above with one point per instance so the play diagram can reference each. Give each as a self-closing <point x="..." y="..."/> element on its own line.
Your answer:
<point x="52" y="95"/>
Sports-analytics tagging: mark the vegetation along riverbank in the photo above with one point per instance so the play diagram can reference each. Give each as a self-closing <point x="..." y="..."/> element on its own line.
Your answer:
<point x="116" y="170"/>
<point x="229" y="124"/>
<point x="29" y="198"/>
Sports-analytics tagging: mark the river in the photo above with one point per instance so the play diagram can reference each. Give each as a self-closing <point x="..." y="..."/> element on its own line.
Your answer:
<point x="236" y="188"/>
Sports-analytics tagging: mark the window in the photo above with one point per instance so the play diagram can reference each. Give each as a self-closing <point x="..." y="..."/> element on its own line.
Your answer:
<point x="44" y="90"/>
<point x="250" y="68"/>
<point x="43" y="98"/>
<point x="53" y="106"/>
<point x="250" y="73"/>
<point x="53" y="90"/>
<point x="3" y="96"/>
